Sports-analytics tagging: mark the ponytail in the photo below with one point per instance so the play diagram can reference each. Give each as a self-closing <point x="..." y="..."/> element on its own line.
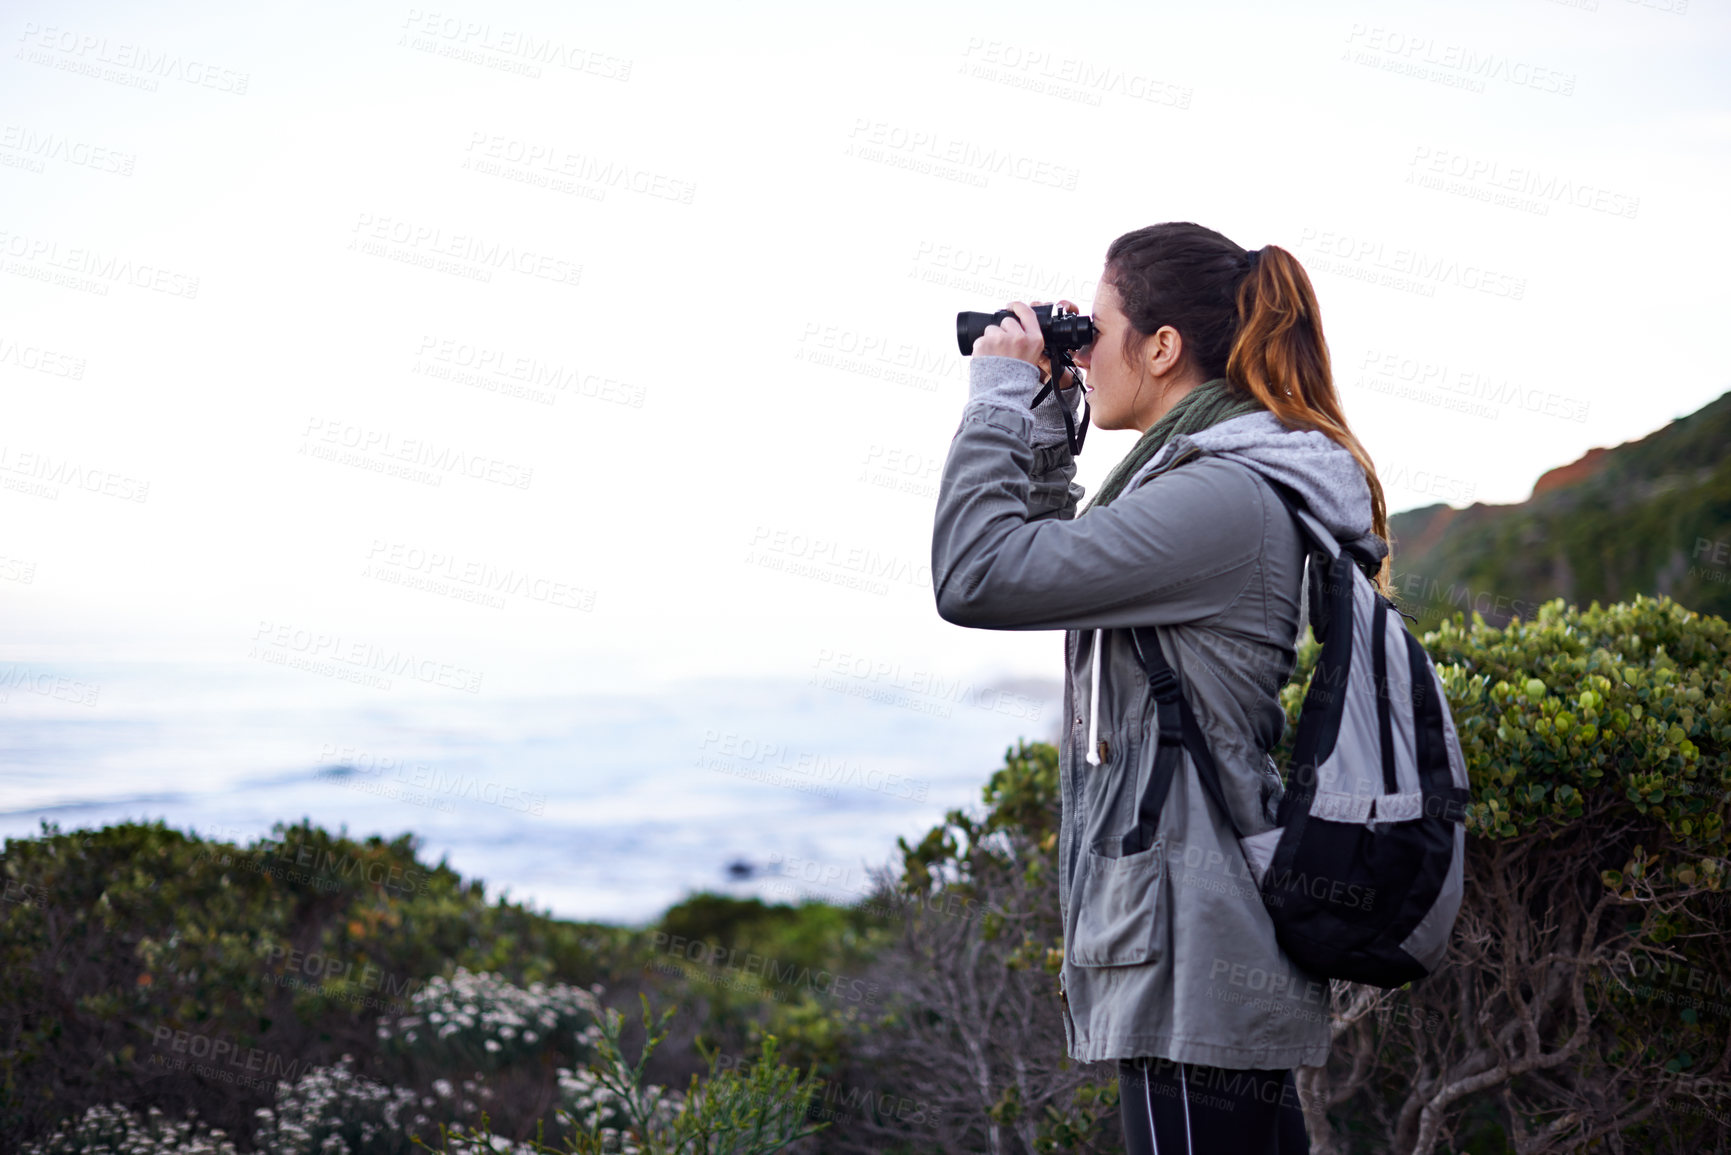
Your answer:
<point x="1280" y="357"/>
<point x="1253" y="321"/>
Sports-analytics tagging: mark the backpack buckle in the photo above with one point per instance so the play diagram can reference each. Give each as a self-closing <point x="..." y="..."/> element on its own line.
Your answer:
<point x="1164" y="683"/>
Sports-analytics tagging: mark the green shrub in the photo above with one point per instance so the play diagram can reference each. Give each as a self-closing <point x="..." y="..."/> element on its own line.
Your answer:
<point x="150" y="967"/>
<point x="1597" y="745"/>
<point x="967" y="1051"/>
<point x="115" y="1129"/>
<point x="336" y="985"/>
<point x="607" y="1105"/>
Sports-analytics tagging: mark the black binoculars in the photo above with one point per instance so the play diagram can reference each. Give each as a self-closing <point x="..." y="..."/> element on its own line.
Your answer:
<point x="1062" y="332"/>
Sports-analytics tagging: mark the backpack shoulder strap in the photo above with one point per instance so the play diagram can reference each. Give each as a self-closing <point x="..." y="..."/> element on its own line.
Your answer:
<point x="1319" y="534"/>
<point x="1173" y="707"/>
<point x="1308" y="525"/>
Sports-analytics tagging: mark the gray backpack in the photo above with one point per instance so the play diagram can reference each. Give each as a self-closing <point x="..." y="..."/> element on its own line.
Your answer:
<point x="1362" y="874"/>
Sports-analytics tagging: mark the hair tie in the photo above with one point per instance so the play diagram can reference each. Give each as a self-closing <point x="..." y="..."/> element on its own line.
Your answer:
<point x="1252" y="256"/>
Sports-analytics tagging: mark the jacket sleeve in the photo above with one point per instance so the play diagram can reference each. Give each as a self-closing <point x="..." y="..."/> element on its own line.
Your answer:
<point x="1008" y="554"/>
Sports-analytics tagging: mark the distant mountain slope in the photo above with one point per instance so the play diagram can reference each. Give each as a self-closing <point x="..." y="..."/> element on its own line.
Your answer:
<point x="1650" y="516"/>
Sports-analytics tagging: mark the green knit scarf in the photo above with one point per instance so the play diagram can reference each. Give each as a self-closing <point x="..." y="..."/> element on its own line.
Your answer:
<point x="1208" y="404"/>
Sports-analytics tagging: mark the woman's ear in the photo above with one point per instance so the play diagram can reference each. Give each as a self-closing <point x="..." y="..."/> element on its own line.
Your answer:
<point x="1165" y="351"/>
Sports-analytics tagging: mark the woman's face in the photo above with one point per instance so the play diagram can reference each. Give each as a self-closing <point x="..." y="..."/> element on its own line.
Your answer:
<point x="1112" y="384"/>
<point x="1126" y="396"/>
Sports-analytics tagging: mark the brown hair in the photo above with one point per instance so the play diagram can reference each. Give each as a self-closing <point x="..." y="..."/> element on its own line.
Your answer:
<point x="1254" y="323"/>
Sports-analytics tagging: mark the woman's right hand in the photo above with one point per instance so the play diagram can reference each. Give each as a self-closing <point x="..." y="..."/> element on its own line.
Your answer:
<point x="1021" y="339"/>
<point x="1017" y="337"/>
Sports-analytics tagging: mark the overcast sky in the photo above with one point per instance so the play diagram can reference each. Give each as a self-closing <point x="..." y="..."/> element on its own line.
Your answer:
<point x="595" y="344"/>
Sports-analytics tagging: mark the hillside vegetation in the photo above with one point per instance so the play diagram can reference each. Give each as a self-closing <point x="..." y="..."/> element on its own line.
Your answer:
<point x="313" y="993"/>
<point x="1651" y="517"/>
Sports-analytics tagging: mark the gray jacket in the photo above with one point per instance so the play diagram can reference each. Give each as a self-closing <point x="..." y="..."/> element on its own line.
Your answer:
<point x="1168" y="952"/>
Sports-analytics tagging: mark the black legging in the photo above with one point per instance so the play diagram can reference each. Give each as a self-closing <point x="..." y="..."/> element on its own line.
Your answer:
<point x="1183" y="1109"/>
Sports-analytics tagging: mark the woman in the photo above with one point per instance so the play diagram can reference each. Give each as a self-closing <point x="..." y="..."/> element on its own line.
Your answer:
<point x="1217" y="355"/>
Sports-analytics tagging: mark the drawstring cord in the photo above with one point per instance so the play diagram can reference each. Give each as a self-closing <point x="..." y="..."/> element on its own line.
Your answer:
<point x="1094" y="703"/>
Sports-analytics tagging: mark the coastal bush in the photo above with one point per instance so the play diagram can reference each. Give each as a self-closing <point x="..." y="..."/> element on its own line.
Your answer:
<point x="1586" y="996"/>
<point x="965" y="1049"/>
<point x="147" y="967"/>
<point x="115" y="1129"/>
<point x="1585" y="1001"/>
<point x="757" y="969"/>
<point x="1583" y="1004"/>
<point x="604" y="1106"/>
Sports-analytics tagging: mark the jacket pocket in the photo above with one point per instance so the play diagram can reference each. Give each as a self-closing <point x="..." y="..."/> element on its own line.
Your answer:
<point x="1123" y="907"/>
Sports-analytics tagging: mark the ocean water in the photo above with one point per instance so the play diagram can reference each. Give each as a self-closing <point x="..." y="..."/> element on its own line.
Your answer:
<point x="604" y="806"/>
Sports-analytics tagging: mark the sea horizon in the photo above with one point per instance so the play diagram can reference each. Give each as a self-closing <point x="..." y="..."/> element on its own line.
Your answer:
<point x="593" y="805"/>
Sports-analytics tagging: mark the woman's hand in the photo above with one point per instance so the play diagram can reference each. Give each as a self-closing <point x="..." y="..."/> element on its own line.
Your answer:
<point x="1020" y="339"/>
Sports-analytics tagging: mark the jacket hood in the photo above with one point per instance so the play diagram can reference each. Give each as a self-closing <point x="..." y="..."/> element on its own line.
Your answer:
<point x="1325" y="475"/>
<point x="1323" y="472"/>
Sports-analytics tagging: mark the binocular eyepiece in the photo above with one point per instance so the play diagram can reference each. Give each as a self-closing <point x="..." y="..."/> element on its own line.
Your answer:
<point x="1062" y="332"/>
